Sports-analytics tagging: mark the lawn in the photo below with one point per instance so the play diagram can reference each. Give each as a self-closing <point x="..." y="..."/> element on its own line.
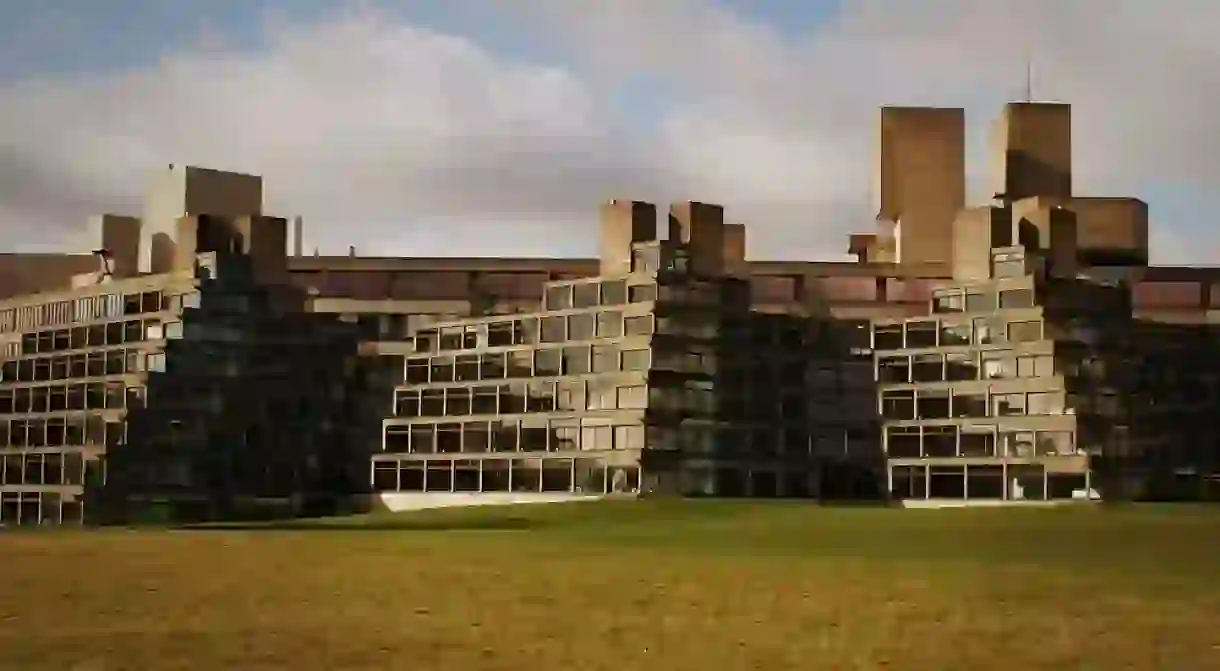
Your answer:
<point x="626" y="586"/>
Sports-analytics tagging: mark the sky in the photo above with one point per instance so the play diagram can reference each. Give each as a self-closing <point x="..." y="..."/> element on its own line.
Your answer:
<point x="495" y="127"/>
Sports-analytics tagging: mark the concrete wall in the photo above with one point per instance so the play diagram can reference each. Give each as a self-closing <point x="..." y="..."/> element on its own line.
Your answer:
<point x="624" y="222"/>
<point x="920" y="178"/>
<point x="401" y="501"/>
<point x="181" y="191"/>
<point x="1032" y="148"/>
<point x="29" y="273"/>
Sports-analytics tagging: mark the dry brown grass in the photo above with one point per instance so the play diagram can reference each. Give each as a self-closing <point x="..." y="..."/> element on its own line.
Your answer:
<point x="620" y="586"/>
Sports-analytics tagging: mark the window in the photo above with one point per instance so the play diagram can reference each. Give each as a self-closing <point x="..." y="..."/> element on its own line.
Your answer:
<point x="635" y="359"/>
<point x="969" y="405"/>
<point x="960" y="367"/>
<point x="921" y="334"/>
<point x="1007" y="268"/>
<point x="898" y="404"/>
<point x="633" y="398"/>
<point x="894" y="369"/>
<point x="997" y="367"/>
<point x="581" y="327"/>
<point x="558" y="297"/>
<point x="987" y="333"/>
<point x="955" y="334"/>
<point x="548" y="362"/>
<point x="887" y="336"/>
<point x="552" y="329"/>
<point x="614" y="292"/>
<point x="156" y="362"/>
<point x="980" y="302"/>
<point x="927" y="368"/>
<point x="1017" y="298"/>
<point x="609" y="324"/>
<point x="1008" y="404"/>
<point x="642" y="293"/>
<point x="1044" y="403"/>
<point x="1024" y="331"/>
<point x="949" y="302"/>
<point x="575" y="360"/>
<point x="584" y="295"/>
<point x="932" y="404"/>
<point x="641" y="325"/>
<point x="605" y="359"/>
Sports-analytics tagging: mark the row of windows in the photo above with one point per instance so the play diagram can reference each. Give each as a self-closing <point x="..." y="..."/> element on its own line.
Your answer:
<point x="572" y="360"/>
<point x="85" y="308"/>
<point x="72" y="431"/>
<point x="976" y="441"/>
<point x="909" y="404"/>
<point x="931" y="333"/>
<point x="962" y="366"/>
<point x="980" y="300"/>
<point x="510" y="436"/>
<point x="538" y="396"/>
<point x="592" y="294"/>
<point x="537" y="435"/>
<point x="98" y="335"/>
<point x="530" y="330"/>
<point x="116" y="361"/>
<point x="54" y="468"/>
<point x="69" y="397"/>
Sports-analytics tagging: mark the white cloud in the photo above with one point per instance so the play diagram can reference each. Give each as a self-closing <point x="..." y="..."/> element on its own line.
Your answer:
<point x="400" y="140"/>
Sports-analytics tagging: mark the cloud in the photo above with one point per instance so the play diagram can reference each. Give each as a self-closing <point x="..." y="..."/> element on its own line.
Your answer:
<point x="403" y="140"/>
<point x="1143" y="78"/>
<point x="381" y="134"/>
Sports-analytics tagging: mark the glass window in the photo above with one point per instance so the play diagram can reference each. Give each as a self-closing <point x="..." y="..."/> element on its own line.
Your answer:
<point x="980" y="302"/>
<point x="552" y="329"/>
<point x="635" y="359"/>
<point x="1017" y="298"/>
<point x="1008" y="404"/>
<point x="898" y="404"/>
<point x="1044" y="403"/>
<point x="642" y="293"/>
<point x="559" y="297"/>
<point x="894" y="369"/>
<point x="609" y="324"/>
<point x="548" y="362"/>
<point x="948" y="302"/>
<point x="998" y="367"/>
<point x="927" y="368"/>
<point x="614" y="292"/>
<point x="1029" y="331"/>
<point x="887" y="336"/>
<point x="640" y="325"/>
<point x="581" y="327"/>
<point x="584" y="295"/>
<point x="955" y="334"/>
<point x="576" y="360"/>
<point x="633" y="398"/>
<point x="921" y="334"/>
<point x="1014" y="268"/>
<point x="605" y="359"/>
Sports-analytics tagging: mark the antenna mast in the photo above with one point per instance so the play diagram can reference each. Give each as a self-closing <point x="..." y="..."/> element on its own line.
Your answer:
<point x="1029" y="74"/>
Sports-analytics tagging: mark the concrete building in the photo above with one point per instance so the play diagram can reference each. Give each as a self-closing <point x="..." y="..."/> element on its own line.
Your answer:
<point x="655" y="376"/>
<point x="199" y="366"/>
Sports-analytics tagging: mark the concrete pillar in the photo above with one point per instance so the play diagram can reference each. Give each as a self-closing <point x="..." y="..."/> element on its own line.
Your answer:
<point x="920" y="176"/>
<point x="700" y="226"/>
<point x="623" y="223"/>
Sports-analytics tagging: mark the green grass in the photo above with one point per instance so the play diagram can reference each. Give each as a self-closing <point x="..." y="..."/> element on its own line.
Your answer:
<point x="628" y="585"/>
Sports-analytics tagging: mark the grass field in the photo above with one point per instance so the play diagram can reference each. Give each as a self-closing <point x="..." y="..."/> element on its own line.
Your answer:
<point x="628" y="586"/>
